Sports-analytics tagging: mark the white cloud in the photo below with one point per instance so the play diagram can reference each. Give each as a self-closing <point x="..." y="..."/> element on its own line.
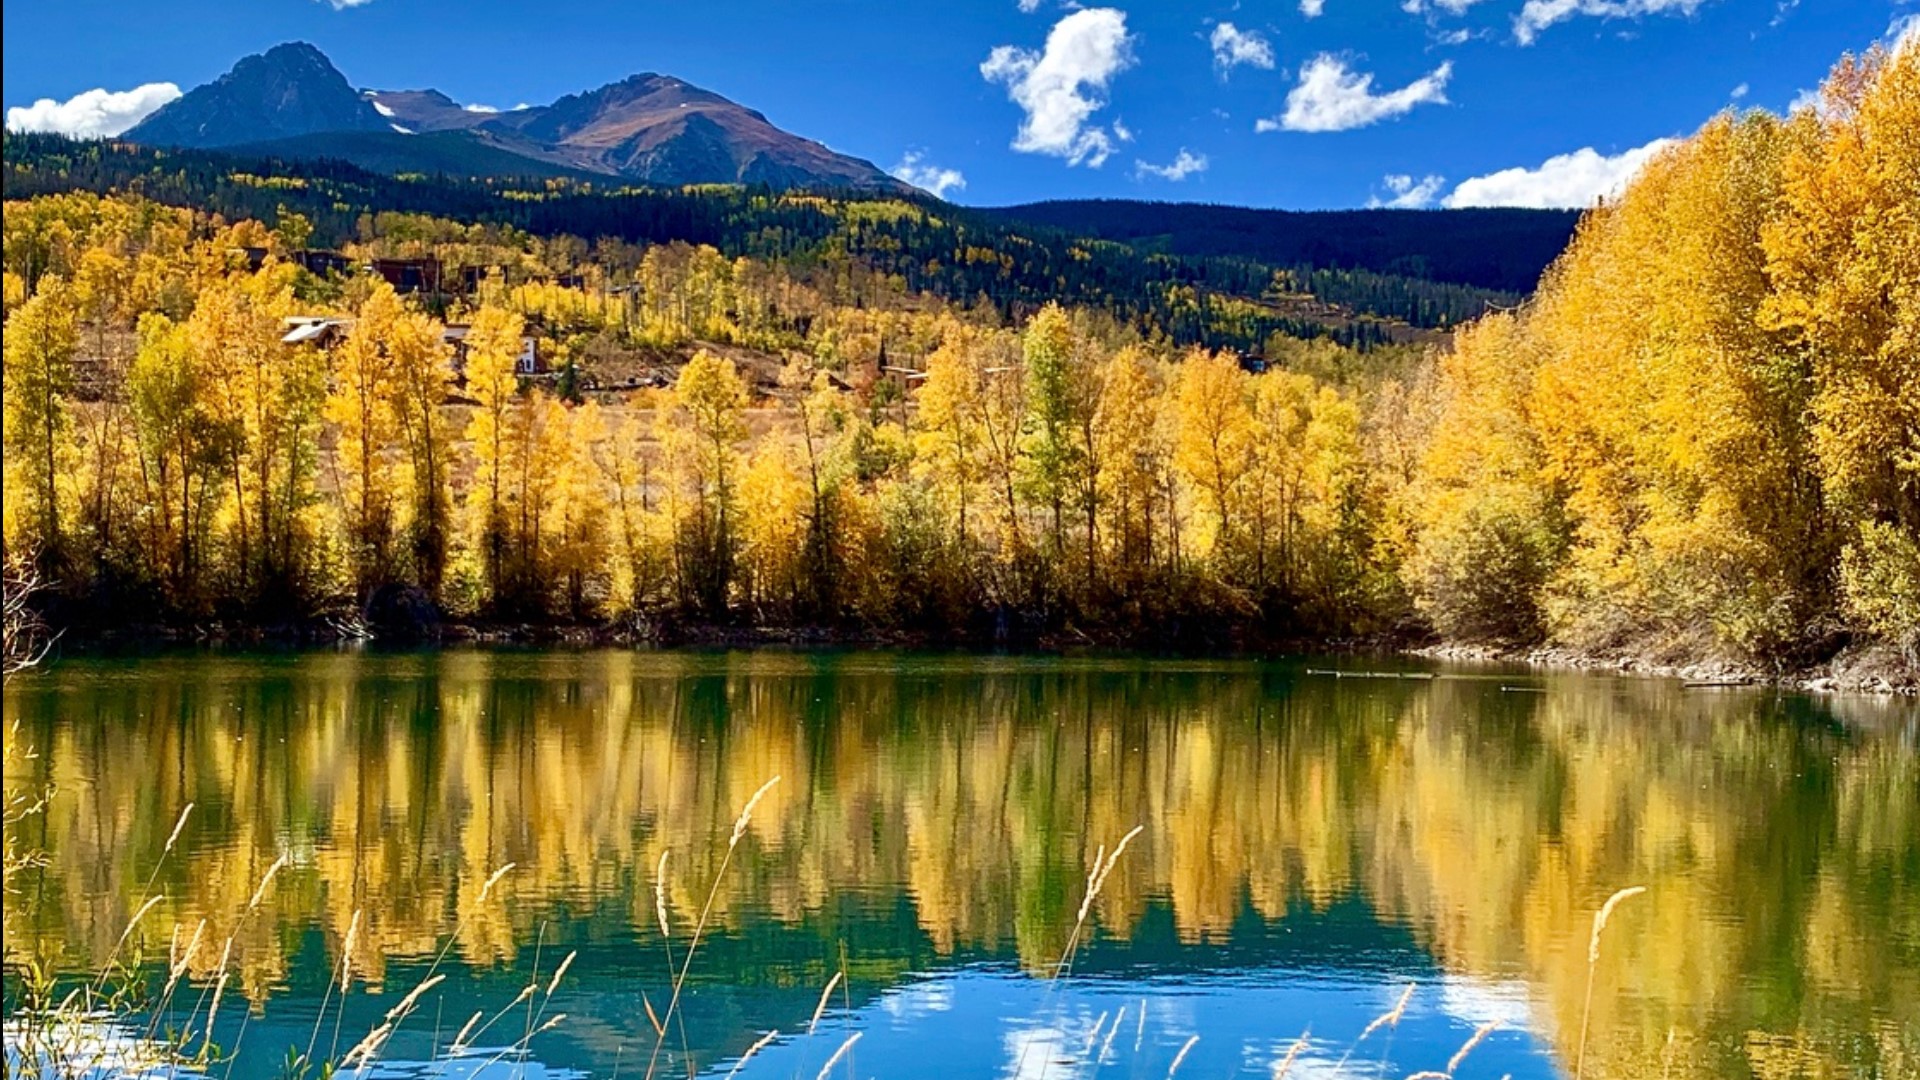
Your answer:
<point x="1423" y="7"/>
<point x="342" y="5"/>
<point x="916" y="170"/>
<point x="482" y="108"/>
<point x="1537" y="15"/>
<point x="1739" y="92"/>
<point x="1028" y="7"/>
<point x="1233" y="46"/>
<point x="92" y="114"/>
<point x="1184" y="164"/>
<point x="1903" y="32"/>
<point x="1333" y="97"/>
<point x="1312" y="8"/>
<point x="1062" y="86"/>
<point x="1805" y="99"/>
<point x="1573" y="180"/>
<point x="1408" y="193"/>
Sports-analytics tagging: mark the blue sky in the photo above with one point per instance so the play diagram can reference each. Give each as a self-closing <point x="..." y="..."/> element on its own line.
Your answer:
<point x="1287" y="103"/>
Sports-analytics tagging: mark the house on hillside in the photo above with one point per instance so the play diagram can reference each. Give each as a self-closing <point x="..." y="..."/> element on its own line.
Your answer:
<point x="409" y="275"/>
<point x="324" y="331"/>
<point x="526" y="364"/>
<point x="322" y="263"/>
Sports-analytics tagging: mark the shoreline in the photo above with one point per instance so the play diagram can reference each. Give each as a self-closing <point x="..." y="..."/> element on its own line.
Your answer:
<point x="1875" y="670"/>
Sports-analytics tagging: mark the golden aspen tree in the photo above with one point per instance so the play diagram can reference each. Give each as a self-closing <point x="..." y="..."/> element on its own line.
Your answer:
<point x="40" y="341"/>
<point x="776" y="503"/>
<point x="422" y="368"/>
<point x="1215" y="441"/>
<point x="492" y="343"/>
<point x="1003" y="417"/>
<point x="581" y="539"/>
<point x="184" y="444"/>
<point x="950" y="436"/>
<point x="1844" y="257"/>
<point x="107" y="309"/>
<point x="1339" y="518"/>
<point x="538" y="431"/>
<point x="1673" y="416"/>
<point x="701" y="425"/>
<point x="823" y="421"/>
<point x="1276" y="481"/>
<point x="626" y="463"/>
<point x="1056" y="399"/>
<point x="1128" y="458"/>
<point x="1490" y="531"/>
<point x="360" y="406"/>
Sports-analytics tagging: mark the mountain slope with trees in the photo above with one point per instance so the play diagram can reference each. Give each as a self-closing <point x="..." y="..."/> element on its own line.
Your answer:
<point x="932" y="247"/>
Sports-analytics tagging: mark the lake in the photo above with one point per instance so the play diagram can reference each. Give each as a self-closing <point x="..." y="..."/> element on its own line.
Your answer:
<point x="1309" y="848"/>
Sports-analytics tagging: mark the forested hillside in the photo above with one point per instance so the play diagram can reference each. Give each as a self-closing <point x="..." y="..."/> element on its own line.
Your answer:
<point x="932" y="247"/>
<point x="1486" y="248"/>
<point x="1700" y="439"/>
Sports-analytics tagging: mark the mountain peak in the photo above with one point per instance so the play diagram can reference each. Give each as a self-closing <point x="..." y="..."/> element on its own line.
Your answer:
<point x="291" y="89"/>
<point x="651" y="127"/>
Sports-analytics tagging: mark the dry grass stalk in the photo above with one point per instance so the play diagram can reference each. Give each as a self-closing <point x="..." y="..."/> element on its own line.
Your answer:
<point x="406" y="1004"/>
<point x="1606" y="912"/>
<point x="492" y="880"/>
<point x="177" y="826"/>
<point x="184" y="957"/>
<point x="660" y="893"/>
<point x="560" y="972"/>
<point x="1390" y="1018"/>
<point x="1103" y="864"/>
<point x="746" y="812"/>
<point x="366" y="1050"/>
<point x="1593" y="962"/>
<point x="1285" y="1065"/>
<point x="1479" y="1035"/>
<point x="700" y="925"/>
<point x="1185" y="1048"/>
<point x="128" y="932"/>
<point x="261" y="892"/>
<point x="837" y="1055"/>
<point x="659" y="1029"/>
<point x="346" y="951"/>
<point x="821" y="1008"/>
<point x="1098" y="879"/>
<point x="752" y="1050"/>
<point x="460" y="1041"/>
<point x="219" y="988"/>
<point x="525" y="993"/>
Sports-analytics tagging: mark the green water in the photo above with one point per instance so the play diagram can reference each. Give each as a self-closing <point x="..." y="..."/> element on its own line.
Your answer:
<point x="1309" y="847"/>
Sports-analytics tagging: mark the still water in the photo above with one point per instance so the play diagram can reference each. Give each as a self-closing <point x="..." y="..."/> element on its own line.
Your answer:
<point x="1310" y="847"/>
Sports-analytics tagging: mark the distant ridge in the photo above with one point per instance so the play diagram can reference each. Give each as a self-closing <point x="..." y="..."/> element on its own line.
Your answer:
<point x="656" y="129"/>
<point x="1492" y="248"/>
